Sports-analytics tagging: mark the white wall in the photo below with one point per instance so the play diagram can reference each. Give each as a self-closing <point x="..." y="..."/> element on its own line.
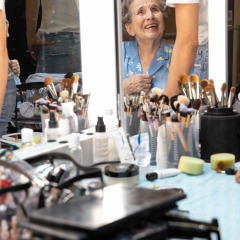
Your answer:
<point x="98" y="53"/>
<point x="217" y="15"/>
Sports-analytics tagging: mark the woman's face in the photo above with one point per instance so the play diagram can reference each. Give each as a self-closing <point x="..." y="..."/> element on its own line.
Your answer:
<point x="147" y="20"/>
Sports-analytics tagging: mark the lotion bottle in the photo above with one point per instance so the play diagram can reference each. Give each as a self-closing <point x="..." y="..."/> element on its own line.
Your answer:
<point x="68" y="120"/>
<point x="100" y="142"/>
<point x="53" y="131"/>
<point x="111" y="123"/>
<point x="75" y="150"/>
<point x="27" y="137"/>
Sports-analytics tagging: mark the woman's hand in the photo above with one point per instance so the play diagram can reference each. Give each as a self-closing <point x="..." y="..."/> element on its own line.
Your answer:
<point x="137" y="83"/>
<point x="15" y="67"/>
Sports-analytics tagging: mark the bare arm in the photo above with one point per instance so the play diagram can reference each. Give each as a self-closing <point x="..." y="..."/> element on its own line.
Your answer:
<point x="185" y="47"/>
<point x="3" y="59"/>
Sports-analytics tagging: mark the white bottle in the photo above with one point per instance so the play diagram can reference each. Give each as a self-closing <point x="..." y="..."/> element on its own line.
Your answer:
<point x="111" y="123"/>
<point x="68" y="120"/>
<point x="100" y="142"/>
<point x="27" y="137"/>
<point x="75" y="150"/>
<point x="53" y="131"/>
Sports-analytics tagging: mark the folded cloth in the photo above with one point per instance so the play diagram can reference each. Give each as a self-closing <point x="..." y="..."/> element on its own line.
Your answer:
<point x="39" y="77"/>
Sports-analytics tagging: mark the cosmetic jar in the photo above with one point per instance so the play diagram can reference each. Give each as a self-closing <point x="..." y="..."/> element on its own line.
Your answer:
<point x="220" y="132"/>
<point x="121" y="173"/>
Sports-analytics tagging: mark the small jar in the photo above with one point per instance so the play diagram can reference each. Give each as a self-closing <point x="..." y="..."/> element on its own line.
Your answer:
<point x="121" y="173"/>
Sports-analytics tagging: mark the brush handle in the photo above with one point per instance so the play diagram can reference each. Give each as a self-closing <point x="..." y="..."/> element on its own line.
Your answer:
<point x="177" y="129"/>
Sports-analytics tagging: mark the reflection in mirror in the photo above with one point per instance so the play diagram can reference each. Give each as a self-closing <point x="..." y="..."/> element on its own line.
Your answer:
<point x="56" y="44"/>
<point x="45" y="38"/>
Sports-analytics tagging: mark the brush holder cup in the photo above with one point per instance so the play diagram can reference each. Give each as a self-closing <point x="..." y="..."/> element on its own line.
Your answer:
<point x="220" y="132"/>
<point x="132" y="122"/>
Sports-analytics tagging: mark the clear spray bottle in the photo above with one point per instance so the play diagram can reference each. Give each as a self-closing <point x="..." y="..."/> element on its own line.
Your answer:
<point x="100" y="142"/>
<point x="75" y="150"/>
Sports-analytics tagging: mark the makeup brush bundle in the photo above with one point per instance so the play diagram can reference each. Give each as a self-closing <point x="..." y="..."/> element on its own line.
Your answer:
<point x="67" y="88"/>
<point x="67" y="91"/>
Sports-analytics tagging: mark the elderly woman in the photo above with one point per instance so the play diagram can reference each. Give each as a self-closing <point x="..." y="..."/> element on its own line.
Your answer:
<point x="147" y="57"/>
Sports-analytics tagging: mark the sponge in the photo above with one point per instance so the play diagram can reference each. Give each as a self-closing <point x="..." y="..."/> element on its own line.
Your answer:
<point x="190" y="165"/>
<point x="221" y="161"/>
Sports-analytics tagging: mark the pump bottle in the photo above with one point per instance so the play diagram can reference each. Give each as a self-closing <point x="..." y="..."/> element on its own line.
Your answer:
<point x="100" y="142"/>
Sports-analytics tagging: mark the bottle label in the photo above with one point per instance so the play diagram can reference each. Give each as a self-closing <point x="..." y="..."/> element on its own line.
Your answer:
<point x="100" y="150"/>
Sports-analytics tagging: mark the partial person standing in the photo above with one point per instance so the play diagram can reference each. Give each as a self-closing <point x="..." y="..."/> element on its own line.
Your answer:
<point x="3" y="53"/>
<point x="147" y="57"/>
<point x="9" y="102"/>
<point x="191" y="38"/>
<point x="56" y="44"/>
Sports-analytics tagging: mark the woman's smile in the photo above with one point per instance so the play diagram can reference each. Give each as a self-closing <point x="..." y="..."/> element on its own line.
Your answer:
<point x="147" y="21"/>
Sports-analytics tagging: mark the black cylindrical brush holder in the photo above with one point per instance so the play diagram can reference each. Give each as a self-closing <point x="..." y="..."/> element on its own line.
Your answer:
<point x="220" y="132"/>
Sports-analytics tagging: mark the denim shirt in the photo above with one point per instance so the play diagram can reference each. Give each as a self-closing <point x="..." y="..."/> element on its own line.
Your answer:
<point x="158" y="68"/>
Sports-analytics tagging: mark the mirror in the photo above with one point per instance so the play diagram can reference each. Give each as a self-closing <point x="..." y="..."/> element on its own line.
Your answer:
<point x="57" y="25"/>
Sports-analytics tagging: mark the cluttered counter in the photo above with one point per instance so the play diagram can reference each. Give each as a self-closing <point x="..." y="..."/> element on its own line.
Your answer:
<point x="209" y="195"/>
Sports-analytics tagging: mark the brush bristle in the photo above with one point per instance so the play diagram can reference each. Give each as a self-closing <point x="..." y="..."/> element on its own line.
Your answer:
<point x="211" y="81"/>
<point x="48" y="80"/>
<point x="233" y="89"/>
<point x="75" y="78"/>
<point x="204" y="83"/>
<point x="194" y="78"/>
<point x="208" y="88"/>
<point x="197" y="103"/>
<point x="183" y="99"/>
<point x="184" y="78"/>
<point x="224" y="86"/>
<point x="156" y="91"/>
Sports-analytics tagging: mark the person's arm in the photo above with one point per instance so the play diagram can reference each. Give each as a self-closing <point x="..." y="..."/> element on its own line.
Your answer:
<point x="185" y="47"/>
<point x="33" y="42"/>
<point x="3" y="59"/>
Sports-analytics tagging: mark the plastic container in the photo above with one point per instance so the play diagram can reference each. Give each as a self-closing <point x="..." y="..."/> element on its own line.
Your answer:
<point x="75" y="150"/>
<point x="111" y="123"/>
<point x="53" y="131"/>
<point x="121" y="173"/>
<point x="68" y="122"/>
<point x="27" y="138"/>
<point x="220" y="132"/>
<point x="100" y="142"/>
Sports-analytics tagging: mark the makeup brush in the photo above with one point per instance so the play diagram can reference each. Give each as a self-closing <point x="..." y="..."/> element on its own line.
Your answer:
<point x="163" y="100"/>
<point x="224" y="97"/>
<point x="181" y="88"/>
<point x="176" y="128"/>
<point x="183" y="99"/>
<point x="167" y="115"/>
<point x="186" y="84"/>
<point x="195" y="86"/>
<point x="214" y="94"/>
<point x="231" y="97"/>
<point x="209" y="93"/>
<point x="172" y="100"/>
<point x="196" y="105"/>
<point x="49" y="83"/>
<point x="203" y="84"/>
<point x="183" y="115"/>
<point x="156" y="91"/>
<point x="75" y="79"/>
<point x="64" y="94"/>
